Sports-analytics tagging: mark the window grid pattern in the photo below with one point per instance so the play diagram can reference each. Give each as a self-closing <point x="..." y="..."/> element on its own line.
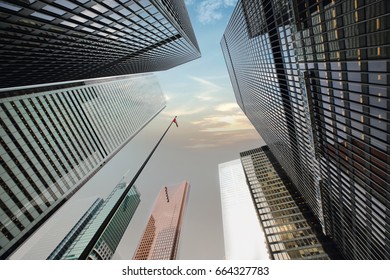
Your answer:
<point x="289" y="234"/>
<point x="61" y="40"/>
<point x="145" y="247"/>
<point x="54" y="141"/>
<point x="65" y="244"/>
<point x="268" y="87"/>
<point x="344" y="48"/>
<point x="160" y="239"/>
<point x="341" y="53"/>
<point x="108" y="242"/>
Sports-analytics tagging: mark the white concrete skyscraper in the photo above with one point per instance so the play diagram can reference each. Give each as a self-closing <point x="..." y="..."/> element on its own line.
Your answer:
<point x="243" y="236"/>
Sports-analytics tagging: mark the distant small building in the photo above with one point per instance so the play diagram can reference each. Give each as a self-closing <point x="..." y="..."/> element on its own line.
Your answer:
<point x="162" y="233"/>
<point x="67" y="242"/>
<point x="82" y="232"/>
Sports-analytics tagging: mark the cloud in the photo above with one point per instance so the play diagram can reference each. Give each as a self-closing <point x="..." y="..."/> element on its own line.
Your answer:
<point x="197" y="98"/>
<point x="189" y="2"/>
<point x="209" y="11"/>
<point x="221" y="139"/>
<point x="227" y="125"/>
<point x="204" y="97"/>
<point x="167" y="96"/>
<point x="205" y="82"/>
<point x="201" y="146"/>
<point x="224" y="123"/>
<point x="227" y="107"/>
<point x="212" y="10"/>
<point x="208" y="116"/>
<point x="208" y="89"/>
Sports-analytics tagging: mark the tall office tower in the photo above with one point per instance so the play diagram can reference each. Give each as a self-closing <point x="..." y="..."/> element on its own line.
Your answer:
<point x="48" y="41"/>
<point x="243" y="236"/>
<point x="56" y="138"/>
<point x="160" y="239"/>
<point x="76" y="240"/>
<point x="258" y="50"/>
<point x="67" y="242"/>
<point x="288" y="224"/>
<point x="312" y="78"/>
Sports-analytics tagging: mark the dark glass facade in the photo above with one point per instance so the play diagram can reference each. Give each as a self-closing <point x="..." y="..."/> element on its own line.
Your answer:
<point x="315" y="84"/>
<point x="268" y="88"/>
<point x="46" y="41"/>
<point x="54" y="141"/>
<point x="343" y="50"/>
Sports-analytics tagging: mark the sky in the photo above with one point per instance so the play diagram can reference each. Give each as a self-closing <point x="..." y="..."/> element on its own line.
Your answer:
<point x="212" y="130"/>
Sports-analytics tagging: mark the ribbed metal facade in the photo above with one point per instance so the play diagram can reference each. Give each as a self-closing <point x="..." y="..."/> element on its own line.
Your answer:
<point x="314" y="82"/>
<point x="49" y="41"/>
<point x="52" y="142"/>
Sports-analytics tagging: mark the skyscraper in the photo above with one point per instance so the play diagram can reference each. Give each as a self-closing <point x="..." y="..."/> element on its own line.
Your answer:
<point x="56" y="137"/>
<point x="160" y="239"/>
<point x="63" y="40"/>
<point x="77" y="239"/>
<point x="312" y="78"/>
<point x="257" y="46"/>
<point x="289" y="226"/>
<point x="346" y="76"/>
<point x="243" y="236"/>
<point x="78" y="228"/>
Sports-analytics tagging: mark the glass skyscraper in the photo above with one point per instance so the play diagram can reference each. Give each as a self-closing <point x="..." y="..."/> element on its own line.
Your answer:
<point x="77" y="239"/>
<point x="243" y="236"/>
<point x="63" y="40"/>
<point x="160" y="240"/>
<point x="55" y="137"/>
<point x="265" y="77"/>
<point x="343" y="51"/>
<point x="312" y="76"/>
<point x="290" y="229"/>
<point x="80" y="226"/>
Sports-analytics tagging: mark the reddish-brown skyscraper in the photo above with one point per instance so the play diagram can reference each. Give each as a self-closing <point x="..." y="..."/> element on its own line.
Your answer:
<point x="161" y="236"/>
